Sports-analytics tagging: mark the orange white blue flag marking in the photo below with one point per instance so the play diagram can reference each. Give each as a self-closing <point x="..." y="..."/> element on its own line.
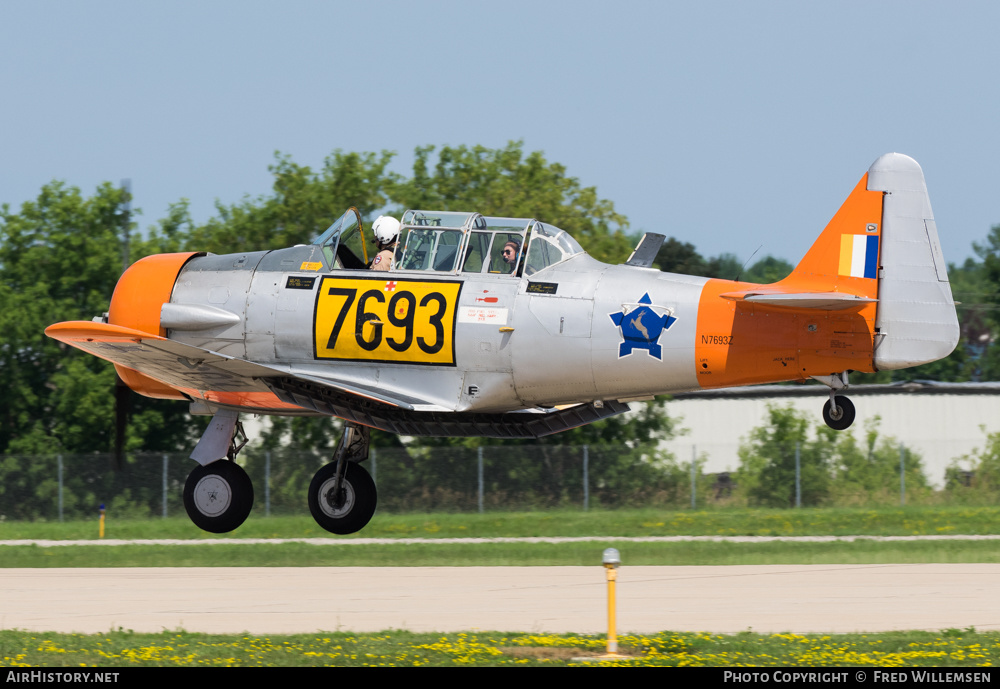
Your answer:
<point x="859" y="255"/>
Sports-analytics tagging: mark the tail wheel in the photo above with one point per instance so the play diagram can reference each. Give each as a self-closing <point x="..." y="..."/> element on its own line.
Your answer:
<point x="840" y="417"/>
<point x="218" y="497"/>
<point x="351" y="507"/>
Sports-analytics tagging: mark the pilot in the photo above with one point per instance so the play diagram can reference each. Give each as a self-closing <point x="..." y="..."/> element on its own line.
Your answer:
<point x="386" y="231"/>
<point x="510" y="251"/>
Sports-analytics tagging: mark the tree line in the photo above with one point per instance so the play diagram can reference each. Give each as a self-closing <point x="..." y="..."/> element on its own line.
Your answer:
<point x="62" y="253"/>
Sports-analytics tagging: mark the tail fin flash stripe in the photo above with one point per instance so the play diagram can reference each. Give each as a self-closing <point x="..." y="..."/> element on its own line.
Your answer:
<point x="858" y="256"/>
<point x="871" y="257"/>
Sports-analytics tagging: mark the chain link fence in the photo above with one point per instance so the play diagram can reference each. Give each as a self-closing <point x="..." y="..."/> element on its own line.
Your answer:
<point x="419" y="479"/>
<point x="408" y="479"/>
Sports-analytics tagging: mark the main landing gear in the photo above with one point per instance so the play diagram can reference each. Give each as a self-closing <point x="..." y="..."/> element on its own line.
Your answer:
<point x="342" y="495"/>
<point x="838" y="412"/>
<point x="218" y="494"/>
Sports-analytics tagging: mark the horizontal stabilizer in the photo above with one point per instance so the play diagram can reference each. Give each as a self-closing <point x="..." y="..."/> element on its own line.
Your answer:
<point x="821" y="301"/>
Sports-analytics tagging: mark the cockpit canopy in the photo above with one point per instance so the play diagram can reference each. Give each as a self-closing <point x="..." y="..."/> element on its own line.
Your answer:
<point x="453" y="242"/>
<point x="343" y="243"/>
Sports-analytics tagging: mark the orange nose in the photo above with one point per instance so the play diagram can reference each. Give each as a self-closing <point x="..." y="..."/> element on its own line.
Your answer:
<point x="139" y="295"/>
<point x="143" y="289"/>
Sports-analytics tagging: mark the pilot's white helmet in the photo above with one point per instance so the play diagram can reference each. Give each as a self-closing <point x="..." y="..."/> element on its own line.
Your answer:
<point x="386" y="229"/>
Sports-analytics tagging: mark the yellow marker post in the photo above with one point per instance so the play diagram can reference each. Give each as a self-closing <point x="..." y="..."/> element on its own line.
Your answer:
<point x="101" y="527"/>
<point x="611" y="561"/>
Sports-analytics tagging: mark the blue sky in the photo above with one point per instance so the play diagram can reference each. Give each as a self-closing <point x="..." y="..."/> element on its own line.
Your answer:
<point x="730" y="125"/>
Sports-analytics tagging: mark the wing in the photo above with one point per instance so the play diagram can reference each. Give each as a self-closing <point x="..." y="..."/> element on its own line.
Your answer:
<point x="185" y="367"/>
<point x="235" y="383"/>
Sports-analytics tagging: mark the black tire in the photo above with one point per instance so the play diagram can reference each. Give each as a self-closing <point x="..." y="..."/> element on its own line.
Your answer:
<point x="840" y="418"/>
<point x="357" y="501"/>
<point x="218" y="497"/>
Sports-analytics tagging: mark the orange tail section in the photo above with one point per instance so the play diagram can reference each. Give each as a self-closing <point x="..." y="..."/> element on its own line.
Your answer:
<point x="819" y="320"/>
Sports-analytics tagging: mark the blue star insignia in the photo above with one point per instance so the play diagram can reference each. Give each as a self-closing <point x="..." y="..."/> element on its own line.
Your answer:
<point x="641" y="328"/>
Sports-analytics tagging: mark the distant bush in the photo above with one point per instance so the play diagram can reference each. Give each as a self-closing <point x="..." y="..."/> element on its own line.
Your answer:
<point x="834" y="468"/>
<point x="975" y="477"/>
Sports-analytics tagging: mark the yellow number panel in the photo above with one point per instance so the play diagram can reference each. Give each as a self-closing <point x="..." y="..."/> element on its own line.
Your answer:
<point x="379" y="319"/>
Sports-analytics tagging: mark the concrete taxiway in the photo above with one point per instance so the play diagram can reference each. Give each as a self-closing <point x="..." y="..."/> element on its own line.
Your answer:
<point x="765" y="598"/>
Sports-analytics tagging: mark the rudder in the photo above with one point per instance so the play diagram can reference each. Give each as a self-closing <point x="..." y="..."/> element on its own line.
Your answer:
<point x="916" y="322"/>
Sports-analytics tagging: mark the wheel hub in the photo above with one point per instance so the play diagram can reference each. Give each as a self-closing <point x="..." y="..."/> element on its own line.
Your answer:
<point x="334" y="505"/>
<point x="212" y="495"/>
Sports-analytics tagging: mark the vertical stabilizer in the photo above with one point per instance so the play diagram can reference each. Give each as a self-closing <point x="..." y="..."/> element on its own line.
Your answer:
<point x="844" y="258"/>
<point x="916" y="320"/>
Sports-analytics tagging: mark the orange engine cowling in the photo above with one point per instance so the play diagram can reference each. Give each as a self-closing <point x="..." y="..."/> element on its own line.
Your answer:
<point x="141" y="292"/>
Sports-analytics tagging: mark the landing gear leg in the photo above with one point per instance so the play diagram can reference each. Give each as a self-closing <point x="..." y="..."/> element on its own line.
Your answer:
<point x="838" y="412"/>
<point x="342" y="495"/>
<point x="218" y="495"/>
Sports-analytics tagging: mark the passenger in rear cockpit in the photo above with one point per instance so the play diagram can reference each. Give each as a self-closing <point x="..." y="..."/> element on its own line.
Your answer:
<point x="510" y="252"/>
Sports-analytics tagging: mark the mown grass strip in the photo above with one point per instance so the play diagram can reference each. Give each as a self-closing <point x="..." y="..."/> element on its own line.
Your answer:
<point x="882" y="521"/>
<point x="501" y="554"/>
<point x="952" y="648"/>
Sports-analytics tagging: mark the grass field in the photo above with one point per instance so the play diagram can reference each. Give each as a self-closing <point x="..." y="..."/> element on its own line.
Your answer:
<point x="952" y="648"/>
<point x="604" y="526"/>
<point x="886" y="521"/>
<point x="498" y="554"/>
<point x="122" y="648"/>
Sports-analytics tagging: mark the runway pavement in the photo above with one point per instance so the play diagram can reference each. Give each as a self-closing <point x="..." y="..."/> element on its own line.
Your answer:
<point x="765" y="598"/>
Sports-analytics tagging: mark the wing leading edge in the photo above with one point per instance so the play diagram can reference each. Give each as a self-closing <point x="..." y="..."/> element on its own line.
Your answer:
<point x="230" y="382"/>
<point x="185" y="367"/>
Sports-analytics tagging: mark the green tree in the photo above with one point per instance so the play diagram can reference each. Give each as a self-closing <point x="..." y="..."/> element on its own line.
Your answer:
<point x="868" y="472"/>
<point x="60" y="258"/>
<point x="724" y="267"/>
<point x="976" y="476"/>
<point x="506" y="182"/>
<point x="767" y="270"/>
<point x="302" y="204"/>
<point x="976" y="300"/>
<point x="767" y="461"/>
<point x="626" y="464"/>
<point x="975" y="357"/>
<point x="989" y="252"/>
<point x="680" y="257"/>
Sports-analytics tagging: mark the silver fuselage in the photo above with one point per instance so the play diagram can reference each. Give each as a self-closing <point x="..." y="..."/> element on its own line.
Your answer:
<point x="517" y="342"/>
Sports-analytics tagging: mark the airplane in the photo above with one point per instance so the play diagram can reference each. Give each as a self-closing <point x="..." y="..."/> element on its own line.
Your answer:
<point x="454" y="341"/>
